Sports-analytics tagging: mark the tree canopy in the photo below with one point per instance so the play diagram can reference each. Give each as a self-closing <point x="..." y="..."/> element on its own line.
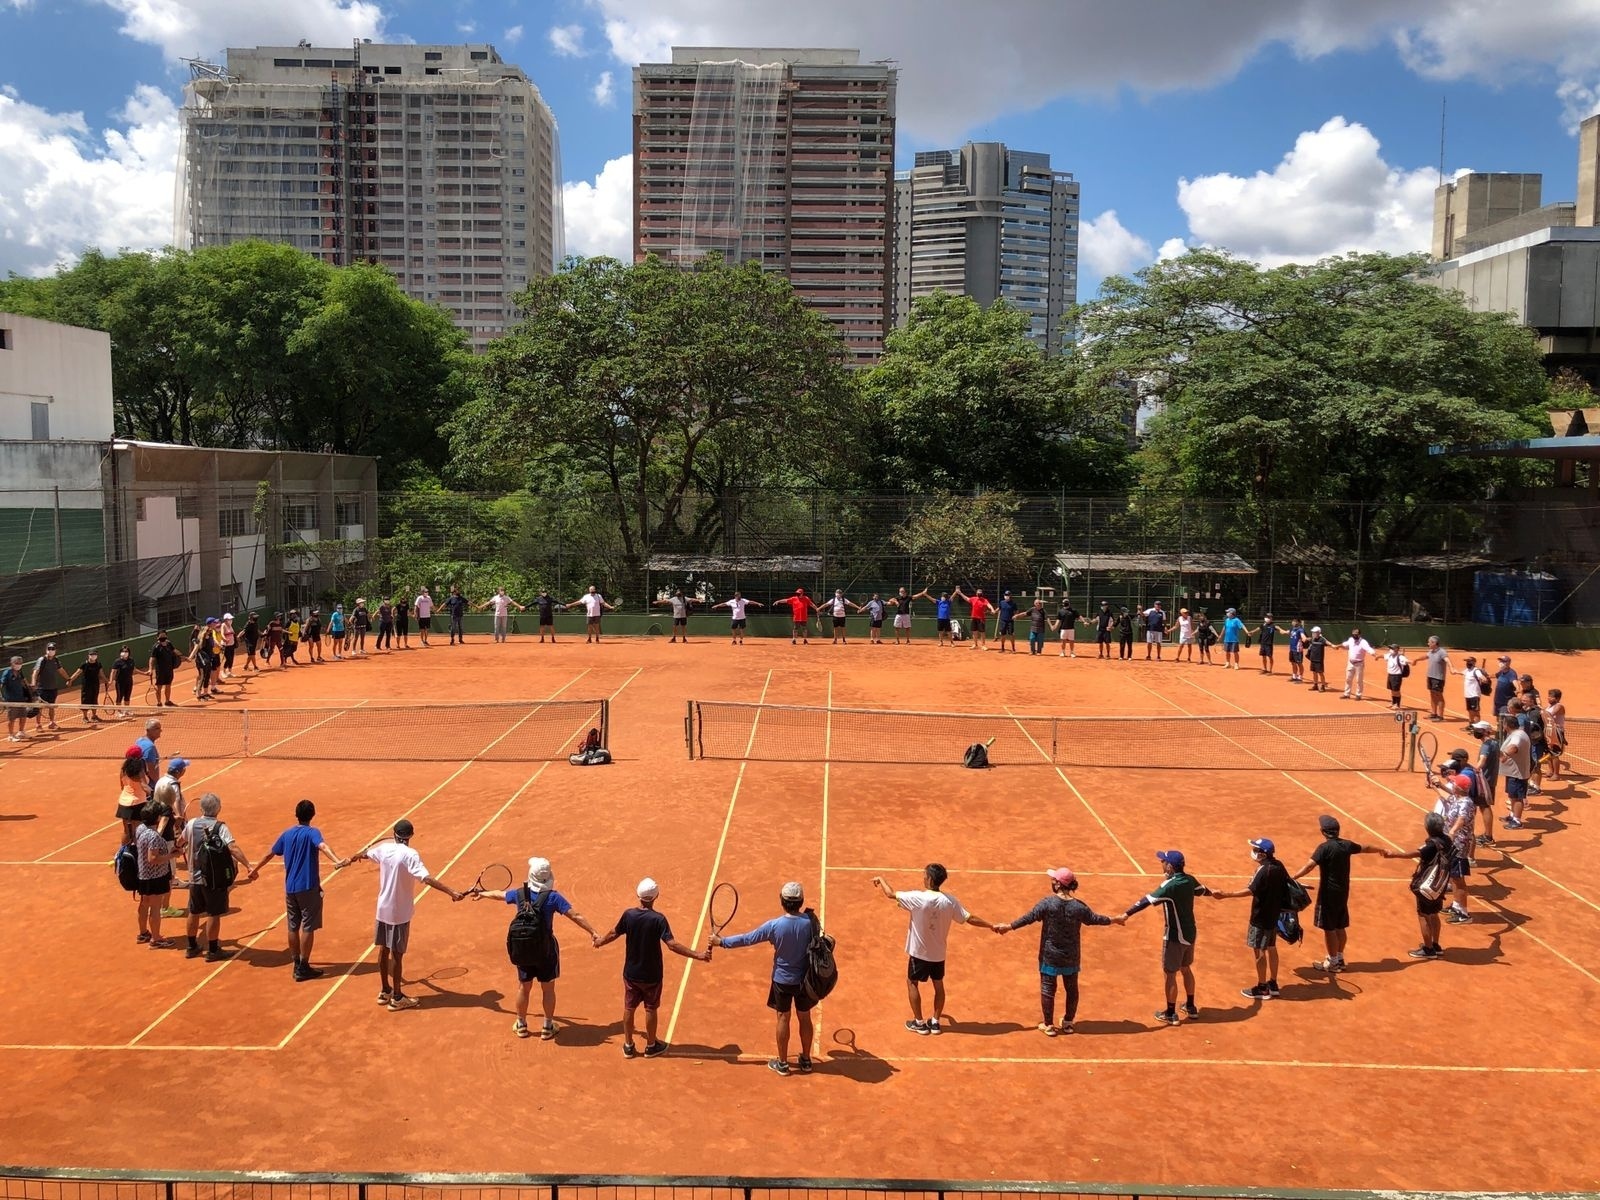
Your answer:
<point x="964" y="399"/>
<point x="260" y="345"/>
<point x="655" y="382"/>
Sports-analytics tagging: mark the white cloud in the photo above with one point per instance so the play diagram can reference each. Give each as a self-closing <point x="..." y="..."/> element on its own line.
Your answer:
<point x="1173" y="247"/>
<point x="567" y="40"/>
<point x="1332" y="194"/>
<point x="961" y="67"/>
<point x="1107" y="247"/>
<point x="603" y="91"/>
<point x="62" y="190"/>
<point x="185" y="28"/>
<point x="512" y="36"/>
<point x="466" y="28"/>
<point x="1579" y="101"/>
<point x="599" y="215"/>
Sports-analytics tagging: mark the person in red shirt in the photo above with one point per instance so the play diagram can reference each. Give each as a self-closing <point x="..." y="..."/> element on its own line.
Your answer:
<point x="981" y="608"/>
<point x="801" y="607"/>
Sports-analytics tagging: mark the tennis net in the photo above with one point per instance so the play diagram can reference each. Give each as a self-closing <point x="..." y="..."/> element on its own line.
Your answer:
<point x="785" y="733"/>
<point x="513" y="731"/>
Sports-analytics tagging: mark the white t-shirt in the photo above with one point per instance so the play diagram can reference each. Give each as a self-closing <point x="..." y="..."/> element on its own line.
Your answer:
<point x="1185" y="627"/>
<point x="400" y="869"/>
<point x="593" y="604"/>
<point x="837" y="604"/>
<point x="736" y="608"/>
<point x="1471" y="689"/>
<point x="1394" y="661"/>
<point x="1357" y="649"/>
<point x="932" y="914"/>
<point x="502" y="604"/>
<point x="424" y="606"/>
<point x="170" y="792"/>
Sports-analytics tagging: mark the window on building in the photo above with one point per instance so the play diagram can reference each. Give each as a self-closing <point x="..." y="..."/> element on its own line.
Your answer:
<point x="176" y="610"/>
<point x="347" y="512"/>
<point x="432" y="56"/>
<point x="297" y="517"/>
<point x="233" y="522"/>
<point x="391" y="70"/>
<point x="138" y="509"/>
<point x="188" y="508"/>
<point x="41" y="421"/>
<point x="5" y="339"/>
<point x="480" y="55"/>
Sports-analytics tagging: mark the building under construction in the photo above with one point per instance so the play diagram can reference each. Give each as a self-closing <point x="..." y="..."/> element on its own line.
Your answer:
<point x="441" y="163"/>
<point x="785" y="157"/>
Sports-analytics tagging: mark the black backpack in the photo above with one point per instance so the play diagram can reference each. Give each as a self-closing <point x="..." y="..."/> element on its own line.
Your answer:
<point x="1296" y="898"/>
<point x="976" y="757"/>
<point x="126" y="865"/>
<point x="528" y="938"/>
<point x="213" y="860"/>
<point x="822" y="973"/>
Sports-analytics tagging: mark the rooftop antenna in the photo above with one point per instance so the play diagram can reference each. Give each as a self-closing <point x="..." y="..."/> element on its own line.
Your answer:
<point x="1443" y="100"/>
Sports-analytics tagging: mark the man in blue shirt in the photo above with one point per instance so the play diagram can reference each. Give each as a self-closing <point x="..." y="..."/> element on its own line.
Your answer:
<point x="1232" y="635"/>
<point x="789" y="936"/>
<point x="302" y="885"/>
<point x="941" y="616"/>
<point x="150" y="754"/>
<point x="456" y="605"/>
<point x="1008" y="622"/>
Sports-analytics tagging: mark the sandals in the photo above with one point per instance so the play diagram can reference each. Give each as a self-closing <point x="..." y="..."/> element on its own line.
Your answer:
<point x="548" y="1031"/>
<point x="1047" y="1030"/>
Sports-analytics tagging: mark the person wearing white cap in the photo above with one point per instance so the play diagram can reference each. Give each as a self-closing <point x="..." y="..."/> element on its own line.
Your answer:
<point x="789" y="936"/>
<point x="1061" y="917"/>
<point x="230" y="645"/>
<point x="644" y="931"/>
<point x="539" y="897"/>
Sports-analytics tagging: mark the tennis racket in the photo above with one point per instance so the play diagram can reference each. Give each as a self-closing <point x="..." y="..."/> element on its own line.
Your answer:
<point x="496" y="877"/>
<point x="1428" y="750"/>
<point x="724" y="904"/>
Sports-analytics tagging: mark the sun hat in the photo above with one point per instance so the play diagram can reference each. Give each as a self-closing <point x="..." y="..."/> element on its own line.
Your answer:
<point x="1264" y="845"/>
<point x="540" y="876"/>
<point x="1063" y="876"/>
<point x="648" y="889"/>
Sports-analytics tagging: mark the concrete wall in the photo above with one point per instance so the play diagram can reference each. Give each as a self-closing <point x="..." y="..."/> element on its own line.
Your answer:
<point x="66" y="368"/>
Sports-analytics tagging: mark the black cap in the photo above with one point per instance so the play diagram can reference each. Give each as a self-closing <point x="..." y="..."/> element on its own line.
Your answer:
<point x="403" y="828"/>
<point x="1329" y="825"/>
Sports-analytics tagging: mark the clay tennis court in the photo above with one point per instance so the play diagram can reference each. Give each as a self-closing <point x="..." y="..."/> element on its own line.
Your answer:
<point x="1478" y="1072"/>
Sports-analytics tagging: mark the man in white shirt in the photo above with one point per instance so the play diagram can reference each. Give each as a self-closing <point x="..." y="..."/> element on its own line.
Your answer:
<point x="424" y="608"/>
<point x="737" y="608"/>
<point x="502" y="605"/>
<point x="1358" y="650"/>
<point x="400" y="869"/>
<point x="593" y="605"/>
<point x="927" y="937"/>
<point x="1516" y="768"/>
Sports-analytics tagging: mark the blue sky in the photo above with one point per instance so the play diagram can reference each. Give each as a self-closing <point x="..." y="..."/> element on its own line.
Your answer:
<point x="1281" y="129"/>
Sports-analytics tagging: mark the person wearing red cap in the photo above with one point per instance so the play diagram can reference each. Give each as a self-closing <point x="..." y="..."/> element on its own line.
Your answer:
<point x="1268" y="890"/>
<point x="801" y="607"/>
<point x="1061" y="917"/>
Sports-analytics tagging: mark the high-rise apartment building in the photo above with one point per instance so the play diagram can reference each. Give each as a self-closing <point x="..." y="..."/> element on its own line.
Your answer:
<point x="439" y="162"/>
<point x="785" y="157"/>
<point x="992" y="223"/>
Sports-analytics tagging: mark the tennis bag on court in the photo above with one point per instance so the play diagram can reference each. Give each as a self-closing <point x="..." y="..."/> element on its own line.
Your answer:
<point x="591" y="753"/>
<point x="976" y="757"/>
<point x="822" y="973"/>
<point x="213" y="860"/>
<point x="528" y="938"/>
<point x="126" y="865"/>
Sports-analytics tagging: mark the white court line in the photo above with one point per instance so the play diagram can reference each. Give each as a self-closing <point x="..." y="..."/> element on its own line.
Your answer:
<point x="954" y="871"/>
<point x="822" y="882"/>
<point x="1248" y="1063"/>
<point x="281" y="917"/>
<point x="716" y="864"/>
<point x="205" y="779"/>
<point x="1115" y="840"/>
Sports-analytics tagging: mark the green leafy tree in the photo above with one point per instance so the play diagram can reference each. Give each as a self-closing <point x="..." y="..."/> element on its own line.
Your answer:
<point x="965" y="399"/>
<point x="655" y="383"/>
<point x="1323" y="383"/>
<point x="971" y="540"/>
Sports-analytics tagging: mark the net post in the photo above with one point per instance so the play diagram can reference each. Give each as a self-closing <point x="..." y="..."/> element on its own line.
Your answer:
<point x="688" y="727"/>
<point x="605" y="723"/>
<point x="244" y="732"/>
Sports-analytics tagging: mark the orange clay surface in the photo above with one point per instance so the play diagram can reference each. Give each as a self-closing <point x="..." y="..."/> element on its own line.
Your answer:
<point x="1481" y="1071"/>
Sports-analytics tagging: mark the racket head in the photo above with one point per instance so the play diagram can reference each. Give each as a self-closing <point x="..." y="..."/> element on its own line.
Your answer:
<point x="496" y="877"/>
<point x="724" y="904"/>
<point x="1428" y="748"/>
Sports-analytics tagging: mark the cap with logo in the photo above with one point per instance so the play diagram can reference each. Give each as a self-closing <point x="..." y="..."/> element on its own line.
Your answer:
<point x="176" y="763"/>
<point x="1264" y="845"/>
<point x="1173" y="858"/>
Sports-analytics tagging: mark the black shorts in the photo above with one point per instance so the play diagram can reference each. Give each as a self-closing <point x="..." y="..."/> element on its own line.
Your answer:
<point x="129" y="812"/>
<point x="782" y="996"/>
<point x="920" y="970"/>
<point x="838" y="622"/>
<point x="878" y="624"/>
<point x="944" y="624"/>
<point x="1435" y="685"/>
<point x="1473" y="706"/>
<point x="980" y="625"/>
<point x="425" y="623"/>
<point x="1394" y="682"/>
<point x="1104" y="637"/>
<point x="208" y="902"/>
<point x="1428" y="908"/>
<point x="546" y="972"/>
<point x="1335" y="915"/>
<point x="402" y="625"/>
<point x="159" y="886"/>
<point x="1004" y="628"/>
<point x="680" y="622"/>
<point x="738" y="623"/>
<point x="314" y="638"/>
<point x="48" y="695"/>
<point x="1297" y="656"/>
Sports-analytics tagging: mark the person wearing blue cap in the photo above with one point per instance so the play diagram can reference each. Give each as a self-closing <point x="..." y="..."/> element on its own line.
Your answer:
<point x="1175" y="895"/>
<point x="169" y="788"/>
<point x="1268" y="890"/>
